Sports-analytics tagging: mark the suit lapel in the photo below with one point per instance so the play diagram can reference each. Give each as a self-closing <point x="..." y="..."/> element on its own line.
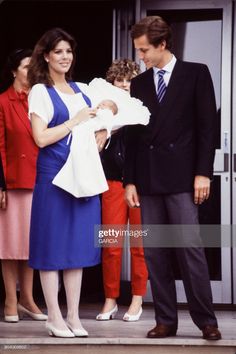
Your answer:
<point x="19" y="110"/>
<point x="173" y="90"/>
<point x="149" y="97"/>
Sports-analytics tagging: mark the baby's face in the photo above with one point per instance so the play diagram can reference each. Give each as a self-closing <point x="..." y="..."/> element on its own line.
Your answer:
<point x="104" y="104"/>
<point x="108" y="104"/>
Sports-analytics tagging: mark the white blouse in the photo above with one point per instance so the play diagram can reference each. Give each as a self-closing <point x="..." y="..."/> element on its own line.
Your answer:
<point x="41" y="104"/>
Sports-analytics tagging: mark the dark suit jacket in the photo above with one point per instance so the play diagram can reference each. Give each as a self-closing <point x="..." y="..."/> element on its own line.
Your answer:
<point x="17" y="147"/>
<point x="113" y="156"/>
<point x="178" y="143"/>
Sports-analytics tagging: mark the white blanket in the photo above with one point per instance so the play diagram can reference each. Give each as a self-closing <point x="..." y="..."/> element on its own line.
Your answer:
<point x="82" y="175"/>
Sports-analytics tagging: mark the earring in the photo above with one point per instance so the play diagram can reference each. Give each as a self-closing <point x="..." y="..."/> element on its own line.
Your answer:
<point x="47" y="60"/>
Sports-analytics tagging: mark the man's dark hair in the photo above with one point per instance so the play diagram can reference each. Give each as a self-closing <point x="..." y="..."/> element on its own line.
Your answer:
<point x="156" y="30"/>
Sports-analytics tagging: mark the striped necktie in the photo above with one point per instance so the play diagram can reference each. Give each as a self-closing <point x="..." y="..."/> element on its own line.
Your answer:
<point x="161" y="86"/>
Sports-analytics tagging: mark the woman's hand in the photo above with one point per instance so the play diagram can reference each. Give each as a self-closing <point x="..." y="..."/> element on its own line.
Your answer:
<point x="84" y="114"/>
<point x="44" y="136"/>
<point x="131" y="196"/>
<point x="3" y="199"/>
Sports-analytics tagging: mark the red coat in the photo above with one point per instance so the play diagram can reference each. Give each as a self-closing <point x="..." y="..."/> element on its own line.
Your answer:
<point x="17" y="147"/>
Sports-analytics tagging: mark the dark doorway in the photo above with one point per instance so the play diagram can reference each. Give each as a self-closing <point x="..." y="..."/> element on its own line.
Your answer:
<point x="23" y="22"/>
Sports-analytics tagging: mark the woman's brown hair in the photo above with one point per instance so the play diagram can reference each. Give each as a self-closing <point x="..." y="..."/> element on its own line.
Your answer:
<point x="122" y="69"/>
<point x="38" y="68"/>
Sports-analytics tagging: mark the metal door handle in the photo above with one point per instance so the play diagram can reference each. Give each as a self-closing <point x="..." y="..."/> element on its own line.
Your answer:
<point x="226" y="162"/>
<point x="226" y="151"/>
<point x="234" y="162"/>
<point x="221" y="163"/>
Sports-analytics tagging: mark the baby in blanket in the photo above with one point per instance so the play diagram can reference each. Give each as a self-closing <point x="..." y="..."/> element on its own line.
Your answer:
<point x="82" y="175"/>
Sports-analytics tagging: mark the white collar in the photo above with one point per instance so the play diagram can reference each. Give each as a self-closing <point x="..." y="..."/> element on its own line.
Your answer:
<point x="168" y="67"/>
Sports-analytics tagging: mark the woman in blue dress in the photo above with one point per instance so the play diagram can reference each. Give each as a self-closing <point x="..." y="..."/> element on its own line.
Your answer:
<point x="62" y="226"/>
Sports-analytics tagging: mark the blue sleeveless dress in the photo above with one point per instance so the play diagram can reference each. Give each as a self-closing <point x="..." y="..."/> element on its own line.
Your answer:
<point x="62" y="226"/>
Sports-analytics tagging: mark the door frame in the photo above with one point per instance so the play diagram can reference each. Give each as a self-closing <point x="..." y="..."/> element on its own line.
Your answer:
<point x="234" y="164"/>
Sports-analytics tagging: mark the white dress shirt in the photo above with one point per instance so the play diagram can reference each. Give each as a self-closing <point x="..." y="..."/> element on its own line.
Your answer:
<point x="169" y="67"/>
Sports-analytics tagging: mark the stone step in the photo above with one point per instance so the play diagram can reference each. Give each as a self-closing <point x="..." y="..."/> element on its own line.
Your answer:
<point x="115" y="346"/>
<point x="117" y="336"/>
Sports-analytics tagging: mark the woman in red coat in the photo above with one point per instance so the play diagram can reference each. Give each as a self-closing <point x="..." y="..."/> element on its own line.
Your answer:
<point x="18" y="154"/>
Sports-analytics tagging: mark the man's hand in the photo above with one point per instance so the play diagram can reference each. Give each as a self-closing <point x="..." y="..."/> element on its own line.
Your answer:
<point x="131" y="196"/>
<point x="3" y="199"/>
<point x="101" y="137"/>
<point x="201" y="189"/>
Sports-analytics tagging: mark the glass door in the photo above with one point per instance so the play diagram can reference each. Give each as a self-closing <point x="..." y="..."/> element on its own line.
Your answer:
<point x="234" y="165"/>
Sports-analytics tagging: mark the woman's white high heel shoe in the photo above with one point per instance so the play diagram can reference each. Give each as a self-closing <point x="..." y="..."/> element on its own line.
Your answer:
<point x="132" y="318"/>
<point x="11" y="318"/>
<point x="35" y="316"/>
<point x="78" y="332"/>
<point x="107" y="315"/>
<point x="63" y="333"/>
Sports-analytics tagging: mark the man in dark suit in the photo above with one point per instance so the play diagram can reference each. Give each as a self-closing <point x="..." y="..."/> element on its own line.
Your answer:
<point x="168" y="168"/>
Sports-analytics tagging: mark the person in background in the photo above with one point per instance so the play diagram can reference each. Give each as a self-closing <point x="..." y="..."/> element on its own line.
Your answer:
<point x="115" y="211"/>
<point x="62" y="226"/>
<point x="18" y="153"/>
<point x="168" y="168"/>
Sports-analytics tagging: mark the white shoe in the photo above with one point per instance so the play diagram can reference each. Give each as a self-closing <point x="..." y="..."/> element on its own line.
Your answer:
<point x="107" y="315"/>
<point x="63" y="333"/>
<point x="35" y="316"/>
<point x="132" y="318"/>
<point x="11" y="318"/>
<point x="78" y="332"/>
